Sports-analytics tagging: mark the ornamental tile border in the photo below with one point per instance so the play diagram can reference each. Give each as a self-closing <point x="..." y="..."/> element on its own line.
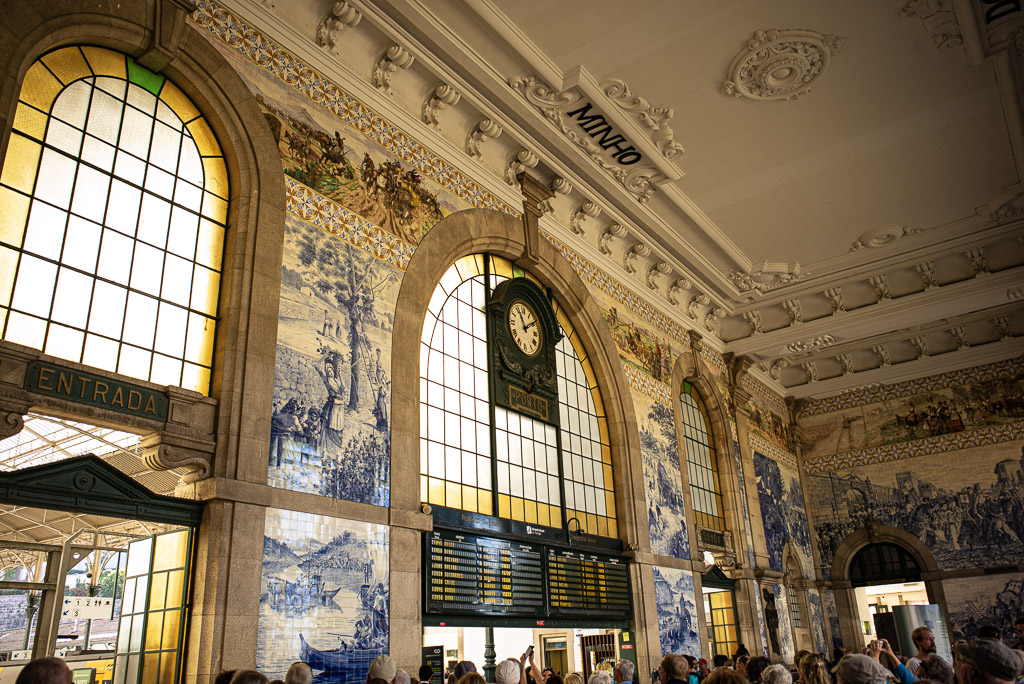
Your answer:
<point x="713" y="357"/>
<point x="335" y="219"/>
<point x="920" y="447"/>
<point x="263" y="52"/>
<point x="765" y="393"/>
<point x="645" y="384"/>
<point x="872" y="395"/>
<point x="766" y="448"/>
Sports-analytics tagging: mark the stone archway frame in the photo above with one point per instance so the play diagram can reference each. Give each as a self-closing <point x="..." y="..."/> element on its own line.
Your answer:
<point x="843" y="590"/>
<point x="803" y="637"/>
<point x="223" y="623"/>
<point x="475" y="231"/>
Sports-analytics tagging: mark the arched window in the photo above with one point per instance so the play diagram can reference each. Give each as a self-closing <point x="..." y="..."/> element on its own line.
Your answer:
<point x="794" y="598"/>
<point x="113" y="203"/>
<point x="476" y="456"/>
<point x="701" y="461"/>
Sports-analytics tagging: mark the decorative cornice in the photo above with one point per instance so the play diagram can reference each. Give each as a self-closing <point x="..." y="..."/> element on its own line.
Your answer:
<point x="767" y="276"/>
<point x="780" y="64"/>
<point x="614" y="230"/>
<point x="519" y="163"/>
<point x="656" y="119"/>
<point x="813" y="344"/>
<point x="636" y="252"/>
<point x="587" y="208"/>
<point x="939" y="20"/>
<point x="1010" y="210"/>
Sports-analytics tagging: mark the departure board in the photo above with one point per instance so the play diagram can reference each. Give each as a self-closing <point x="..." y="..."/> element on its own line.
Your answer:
<point x="483" y="575"/>
<point x="586" y="584"/>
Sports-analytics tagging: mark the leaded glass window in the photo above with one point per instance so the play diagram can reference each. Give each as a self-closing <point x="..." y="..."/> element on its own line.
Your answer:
<point x="794" y="601"/>
<point x="701" y="464"/>
<point x="487" y="459"/>
<point x="113" y="203"/>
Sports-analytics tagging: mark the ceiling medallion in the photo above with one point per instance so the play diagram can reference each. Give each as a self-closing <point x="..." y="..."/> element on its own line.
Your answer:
<point x="882" y="236"/>
<point x="780" y="64"/>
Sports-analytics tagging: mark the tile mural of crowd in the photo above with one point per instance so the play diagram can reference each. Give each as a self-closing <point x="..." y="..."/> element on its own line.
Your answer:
<point x="662" y="478"/>
<point x="330" y="431"/>
<point x="639" y="347"/>
<point x="677" y="613"/>
<point x="782" y="511"/>
<point x="988" y="600"/>
<point x="966" y="506"/>
<point x="817" y="621"/>
<point x="324" y="596"/>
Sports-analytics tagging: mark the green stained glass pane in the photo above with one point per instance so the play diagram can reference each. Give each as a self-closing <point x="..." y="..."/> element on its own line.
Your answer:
<point x="141" y="76"/>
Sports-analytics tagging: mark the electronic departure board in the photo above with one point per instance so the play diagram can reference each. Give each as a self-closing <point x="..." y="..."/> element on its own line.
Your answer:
<point x="473" y="575"/>
<point x="483" y="575"/>
<point x="586" y="584"/>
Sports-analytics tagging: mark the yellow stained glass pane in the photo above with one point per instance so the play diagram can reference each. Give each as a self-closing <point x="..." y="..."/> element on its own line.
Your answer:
<point x="171" y="550"/>
<point x="563" y="321"/>
<point x="453" y="494"/>
<point x="436" y="490"/>
<point x="13" y="216"/>
<point x="517" y="509"/>
<point x="195" y="378"/>
<point x="30" y="121"/>
<point x="67" y="64"/>
<point x="205" y="288"/>
<point x="609" y="502"/>
<point x="175" y="588"/>
<point x="150" y="669"/>
<point x="215" y="208"/>
<point x="504" y="506"/>
<point x="178" y="101"/>
<point x="154" y="628"/>
<point x="485" y="503"/>
<point x="157" y="590"/>
<point x="543" y="514"/>
<point x="469" y="498"/>
<point x="105" y="62"/>
<point x="470" y="266"/>
<point x="598" y="403"/>
<point x="210" y="245"/>
<point x="613" y="528"/>
<point x="199" y="339"/>
<point x="501" y="267"/>
<point x="21" y="163"/>
<point x="205" y="140"/>
<point x="216" y="176"/>
<point x="40" y="87"/>
<point x="603" y="425"/>
<point x="602" y="526"/>
<point x="167" y="659"/>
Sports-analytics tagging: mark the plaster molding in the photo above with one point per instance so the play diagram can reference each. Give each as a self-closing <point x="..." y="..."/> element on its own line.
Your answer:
<point x="793" y="309"/>
<point x="519" y="163"/>
<point x="629" y="260"/>
<point x="614" y="230"/>
<point x="656" y="119"/>
<point x="679" y="286"/>
<point x="560" y="186"/>
<point x="927" y="273"/>
<point x="712" y="317"/>
<point x="780" y="64"/>
<point x="699" y="300"/>
<point x="1015" y="294"/>
<point x="587" y="208"/>
<point x="767" y="276"/>
<point x="753" y="317"/>
<point x="486" y="129"/>
<point x="812" y="344"/>
<point x="979" y="266"/>
<point x="394" y="58"/>
<point x="341" y="16"/>
<point x="835" y="298"/>
<point x="1011" y="209"/>
<point x="656" y="269"/>
<point x="443" y="96"/>
<point x="881" y="285"/>
<point x="938" y="18"/>
<point x="882" y="236"/>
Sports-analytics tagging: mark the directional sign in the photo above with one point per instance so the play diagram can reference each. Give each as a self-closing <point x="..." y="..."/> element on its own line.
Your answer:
<point x="87" y="608"/>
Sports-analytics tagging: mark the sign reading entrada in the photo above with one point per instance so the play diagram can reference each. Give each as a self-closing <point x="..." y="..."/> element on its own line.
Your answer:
<point x="86" y="388"/>
<point x="596" y="125"/>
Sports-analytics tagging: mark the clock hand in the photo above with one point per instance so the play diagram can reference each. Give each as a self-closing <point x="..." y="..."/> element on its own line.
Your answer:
<point x="529" y="325"/>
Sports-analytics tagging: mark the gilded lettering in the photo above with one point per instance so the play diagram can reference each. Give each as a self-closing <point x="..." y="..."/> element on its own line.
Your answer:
<point x="97" y="392"/>
<point x="85" y="383"/>
<point x="65" y="382"/>
<point x="132" y="394"/>
<point x="150" y="405"/>
<point x="43" y="378"/>
<point x="118" y="398"/>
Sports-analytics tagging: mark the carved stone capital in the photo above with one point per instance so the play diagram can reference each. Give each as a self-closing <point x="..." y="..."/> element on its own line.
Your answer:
<point x="519" y="163"/>
<point x="11" y="423"/>
<point x="161" y="451"/>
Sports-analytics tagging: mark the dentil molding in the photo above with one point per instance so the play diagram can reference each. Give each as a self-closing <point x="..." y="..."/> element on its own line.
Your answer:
<point x="780" y="64"/>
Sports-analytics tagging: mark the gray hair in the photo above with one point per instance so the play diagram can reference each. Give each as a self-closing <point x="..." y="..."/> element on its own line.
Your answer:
<point x="600" y="677"/>
<point x="937" y="669"/>
<point x="624" y="671"/>
<point x="776" y="674"/>
<point x="299" y="673"/>
<point x="402" y="677"/>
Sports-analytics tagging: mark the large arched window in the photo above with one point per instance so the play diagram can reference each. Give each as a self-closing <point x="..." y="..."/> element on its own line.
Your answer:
<point x="701" y="462"/>
<point x="113" y="203"/>
<point x="483" y="458"/>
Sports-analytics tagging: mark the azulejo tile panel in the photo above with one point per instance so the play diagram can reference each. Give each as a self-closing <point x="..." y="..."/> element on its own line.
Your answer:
<point x="817" y="621"/>
<point x="677" y="611"/>
<point x="663" y="485"/>
<point x="828" y="599"/>
<point x="324" y="596"/>
<point x="642" y="382"/>
<point x="782" y="512"/>
<point x="990" y="600"/>
<point x="766" y="393"/>
<point x="766" y="448"/>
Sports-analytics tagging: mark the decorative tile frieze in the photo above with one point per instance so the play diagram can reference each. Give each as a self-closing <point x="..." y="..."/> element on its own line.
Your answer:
<point x="955" y="441"/>
<point x="765" y="393"/>
<point x="645" y="384"/>
<point x="877" y="393"/>
<point x="772" y="451"/>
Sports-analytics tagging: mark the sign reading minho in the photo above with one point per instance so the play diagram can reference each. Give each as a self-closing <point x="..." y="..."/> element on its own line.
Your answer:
<point x="86" y="388"/>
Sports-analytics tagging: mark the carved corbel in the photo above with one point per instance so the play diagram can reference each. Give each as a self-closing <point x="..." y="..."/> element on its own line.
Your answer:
<point x="754" y="319"/>
<point x="11" y="423"/>
<point x="699" y="300"/>
<point x="882" y="354"/>
<point x="960" y="334"/>
<point x="169" y="31"/>
<point x="559" y="186"/>
<point x="846" y="361"/>
<point x="1003" y="323"/>
<point x="678" y="287"/>
<point x="881" y="285"/>
<point x="658" y="268"/>
<point x="713" y="316"/>
<point x="615" y="230"/>
<point x="394" y="58"/>
<point x="484" y="130"/>
<point x="519" y="163"/>
<point x="812" y="371"/>
<point x="978" y="264"/>
<point x="588" y="208"/>
<point x="443" y="96"/>
<point x="629" y="260"/>
<point x="921" y="345"/>
<point x="792" y="307"/>
<point x="927" y="273"/>
<point x="835" y="298"/>
<point x="162" y="451"/>
<point x="775" y="369"/>
<point x="341" y="16"/>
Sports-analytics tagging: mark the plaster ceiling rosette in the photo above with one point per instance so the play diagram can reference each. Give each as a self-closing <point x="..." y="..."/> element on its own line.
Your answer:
<point x="780" y="64"/>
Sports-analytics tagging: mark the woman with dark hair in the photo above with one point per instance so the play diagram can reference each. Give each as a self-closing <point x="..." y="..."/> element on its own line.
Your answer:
<point x="249" y="677"/>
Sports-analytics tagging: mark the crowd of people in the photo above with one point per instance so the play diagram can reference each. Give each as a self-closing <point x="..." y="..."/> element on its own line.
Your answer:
<point x="985" y="660"/>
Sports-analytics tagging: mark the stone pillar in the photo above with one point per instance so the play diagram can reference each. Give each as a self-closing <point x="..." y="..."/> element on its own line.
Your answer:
<point x="405" y="636"/>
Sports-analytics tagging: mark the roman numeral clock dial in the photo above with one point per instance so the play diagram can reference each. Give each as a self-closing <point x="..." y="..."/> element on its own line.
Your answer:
<point x="524" y="328"/>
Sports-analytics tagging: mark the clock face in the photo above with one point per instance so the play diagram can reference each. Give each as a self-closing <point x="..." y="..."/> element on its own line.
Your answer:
<point x="524" y="327"/>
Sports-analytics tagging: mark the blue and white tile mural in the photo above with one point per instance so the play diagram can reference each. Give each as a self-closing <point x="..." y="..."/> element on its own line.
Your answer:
<point x="817" y="622"/>
<point x="996" y="600"/>
<point x="828" y="600"/>
<point x="966" y="506"/>
<point x="760" y="622"/>
<point x="782" y="511"/>
<point x="324" y="596"/>
<point x="786" y="648"/>
<point x="662" y="479"/>
<point x="743" y="503"/>
<point x="677" y="611"/>
<point x="330" y="432"/>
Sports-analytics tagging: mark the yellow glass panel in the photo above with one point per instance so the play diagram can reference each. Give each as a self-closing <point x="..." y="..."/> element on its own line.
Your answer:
<point x="40" y="88"/>
<point x="154" y="629"/>
<point x="603" y="425"/>
<point x="210" y="245"/>
<point x="167" y="662"/>
<point x="157" y="590"/>
<point x="563" y="321"/>
<point x="199" y="339"/>
<point x="531" y="512"/>
<point x="469" y="498"/>
<point x="171" y="550"/>
<point x="485" y="502"/>
<point x="517" y="508"/>
<point x="205" y="140"/>
<point x="470" y="266"/>
<point x="195" y="378"/>
<point x="67" y="64"/>
<point x="606" y="451"/>
<point x="501" y="267"/>
<point x="613" y="528"/>
<point x="436" y="491"/>
<point x="215" y="208"/>
<point x="453" y="494"/>
<point x="13" y="216"/>
<point x="175" y="588"/>
<point x="423" y="489"/>
<point x="504" y="506"/>
<point x="598" y="403"/>
<point x="21" y="163"/>
<point x="591" y="523"/>
<point x="205" y="288"/>
<point x="178" y="101"/>
<point x="607" y="470"/>
<point x="216" y="176"/>
<point x="150" y="669"/>
<point x="543" y="514"/>
<point x="30" y="121"/>
<point x="172" y="621"/>
<point x="105" y="62"/>
<point x="602" y="526"/>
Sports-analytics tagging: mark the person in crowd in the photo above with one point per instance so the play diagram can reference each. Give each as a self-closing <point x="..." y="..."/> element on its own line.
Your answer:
<point x="674" y="669"/>
<point x="546" y="673"/>
<point x="574" y="678"/>
<point x="277" y="681"/>
<point x="693" y="675"/>
<point x="299" y="673"/>
<point x="462" y="668"/>
<point x="725" y="675"/>
<point x="857" y="668"/>
<point x="45" y="671"/>
<point x="796" y="664"/>
<point x="224" y="677"/>
<point x="776" y="674"/>
<point x="720" y="661"/>
<point x="756" y="668"/>
<point x="623" y="672"/>
<point x="426" y="673"/>
<point x="883" y="653"/>
<point x="988" y="661"/>
<point x="924" y="639"/>
<point x="382" y="668"/>
<point x="600" y="677"/>
<point x="813" y="669"/>
<point x="988" y="632"/>
<point x="741" y="650"/>
<point x="740" y="663"/>
<point x="469" y="678"/>
<point x="249" y="677"/>
<point x="936" y="669"/>
<point x="402" y="677"/>
<point x="1019" y="626"/>
<point x="508" y="672"/>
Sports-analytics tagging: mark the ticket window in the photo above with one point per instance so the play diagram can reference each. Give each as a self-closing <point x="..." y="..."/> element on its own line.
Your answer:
<point x="150" y="640"/>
